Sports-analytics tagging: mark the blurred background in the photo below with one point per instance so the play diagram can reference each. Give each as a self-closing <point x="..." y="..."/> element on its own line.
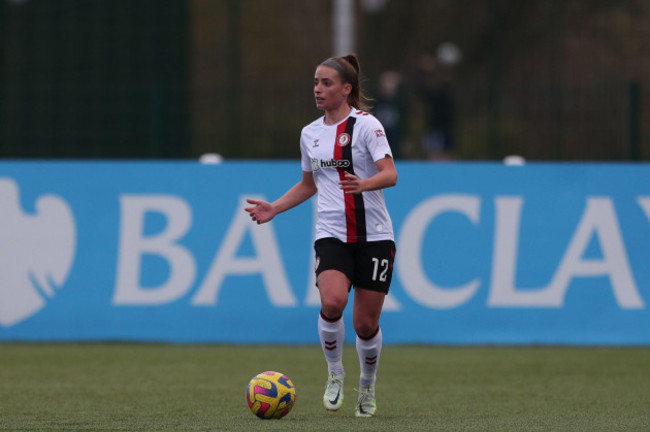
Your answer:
<point x="464" y="80"/>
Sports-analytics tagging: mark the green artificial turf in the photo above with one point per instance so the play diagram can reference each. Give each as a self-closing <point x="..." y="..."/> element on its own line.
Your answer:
<point x="142" y="387"/>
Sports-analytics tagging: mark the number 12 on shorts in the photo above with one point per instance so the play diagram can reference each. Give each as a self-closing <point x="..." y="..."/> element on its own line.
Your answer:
<point x="380" y="268"/>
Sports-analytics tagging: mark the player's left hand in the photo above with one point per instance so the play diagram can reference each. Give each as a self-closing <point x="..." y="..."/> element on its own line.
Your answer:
<point x="351" y="184"/>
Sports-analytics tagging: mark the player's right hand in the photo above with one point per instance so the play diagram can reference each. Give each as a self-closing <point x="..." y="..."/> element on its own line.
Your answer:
<point x="261" y="212"/>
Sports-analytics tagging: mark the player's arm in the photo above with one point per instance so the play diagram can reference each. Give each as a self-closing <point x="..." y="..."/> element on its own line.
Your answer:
<point x="385" y="177"/>
<point x="264" y="211"/>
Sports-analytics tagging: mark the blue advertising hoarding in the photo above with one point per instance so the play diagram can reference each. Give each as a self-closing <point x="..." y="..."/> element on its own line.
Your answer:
<point x="163" y="251"/>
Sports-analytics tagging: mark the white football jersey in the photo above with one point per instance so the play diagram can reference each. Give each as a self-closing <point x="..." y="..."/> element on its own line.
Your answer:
<point x="328" y="151"/>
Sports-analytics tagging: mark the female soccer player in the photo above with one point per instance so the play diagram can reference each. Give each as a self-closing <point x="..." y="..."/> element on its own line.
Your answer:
<point x="346" y="158"/>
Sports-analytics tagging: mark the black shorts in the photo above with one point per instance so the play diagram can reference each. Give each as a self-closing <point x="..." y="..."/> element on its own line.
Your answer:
<point x="368" y="265"/>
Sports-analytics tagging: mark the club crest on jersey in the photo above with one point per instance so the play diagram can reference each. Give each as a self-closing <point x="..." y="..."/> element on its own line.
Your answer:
<point x="343" y="140"/>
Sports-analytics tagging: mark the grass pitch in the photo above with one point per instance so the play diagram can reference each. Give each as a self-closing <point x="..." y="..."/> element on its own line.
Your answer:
<point x="132" y="387"/>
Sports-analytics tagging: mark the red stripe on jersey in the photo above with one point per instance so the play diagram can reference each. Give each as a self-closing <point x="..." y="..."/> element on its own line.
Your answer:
<point x="350" y="205"/>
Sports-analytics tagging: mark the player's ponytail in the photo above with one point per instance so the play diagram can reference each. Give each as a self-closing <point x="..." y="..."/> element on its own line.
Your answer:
<point x="349" y="69"/>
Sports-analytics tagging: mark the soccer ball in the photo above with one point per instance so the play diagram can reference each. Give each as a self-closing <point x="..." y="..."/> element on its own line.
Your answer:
<point x="270" y="395"/>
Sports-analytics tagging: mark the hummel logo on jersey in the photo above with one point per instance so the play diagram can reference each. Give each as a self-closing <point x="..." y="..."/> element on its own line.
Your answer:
<point x="317" y="164"/>
<point x="315" y="143"/>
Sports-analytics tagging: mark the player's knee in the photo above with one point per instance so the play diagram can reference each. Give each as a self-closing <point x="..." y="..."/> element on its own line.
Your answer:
<point x="365" y="329"/>
<point x="332" y="307"/>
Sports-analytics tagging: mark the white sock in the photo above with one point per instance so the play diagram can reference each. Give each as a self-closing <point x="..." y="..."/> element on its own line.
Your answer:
<point x="332" y="338"/>
<point x="369" y="351"/>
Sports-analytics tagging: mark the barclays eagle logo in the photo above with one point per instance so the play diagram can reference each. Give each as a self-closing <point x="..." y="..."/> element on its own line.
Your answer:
<point x="36" y="252"/>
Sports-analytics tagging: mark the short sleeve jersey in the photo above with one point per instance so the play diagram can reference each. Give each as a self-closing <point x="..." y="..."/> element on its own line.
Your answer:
<point x="328" y="151"/>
